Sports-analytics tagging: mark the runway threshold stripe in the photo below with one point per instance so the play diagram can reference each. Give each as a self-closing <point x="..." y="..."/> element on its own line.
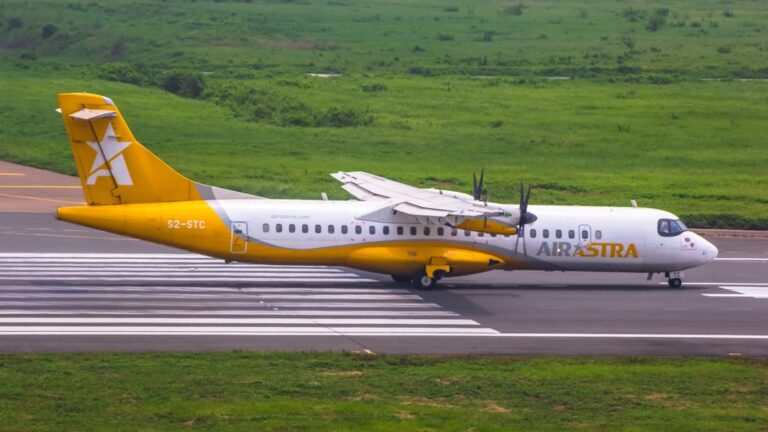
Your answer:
<point x="185" y="279"/>
<point x="98" y="255"/>
<point x="722" y="283"/>
<point x="341" y="332"/>
<point x="166" y="274"/>
<point x="201" y="289"/>
<point x="194" y="296"/>
<point x="221" y="304"/>
<point x="240" y="321"/>
<point x="228" y="312"/>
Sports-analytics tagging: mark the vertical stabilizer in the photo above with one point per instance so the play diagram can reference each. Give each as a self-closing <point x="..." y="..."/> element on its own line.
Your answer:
<point x="114" y="168"/>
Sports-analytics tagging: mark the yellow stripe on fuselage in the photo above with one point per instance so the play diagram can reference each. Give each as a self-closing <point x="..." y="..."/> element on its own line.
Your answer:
<point x="202" y="230"/>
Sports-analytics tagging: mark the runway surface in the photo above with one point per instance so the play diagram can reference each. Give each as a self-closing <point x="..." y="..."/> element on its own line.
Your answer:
<point x="70" y="288"/>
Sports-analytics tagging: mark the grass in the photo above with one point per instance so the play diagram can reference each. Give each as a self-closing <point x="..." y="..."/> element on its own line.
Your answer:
<point x="429" y="92"/>
<point x="696" y="149"/>
<point x="315" y="391"/>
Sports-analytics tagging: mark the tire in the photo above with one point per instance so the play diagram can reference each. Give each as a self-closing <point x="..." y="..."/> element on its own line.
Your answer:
<point x="401" y="279"/>
<point x="675" y="283"/>
<point x="423" y="282"/>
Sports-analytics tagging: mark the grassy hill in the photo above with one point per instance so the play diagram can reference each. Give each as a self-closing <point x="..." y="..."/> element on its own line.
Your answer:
<point x="427" y="92"/>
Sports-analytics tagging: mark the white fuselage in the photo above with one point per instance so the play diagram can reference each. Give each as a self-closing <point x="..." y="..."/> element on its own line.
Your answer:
<point x="571" y="238"/>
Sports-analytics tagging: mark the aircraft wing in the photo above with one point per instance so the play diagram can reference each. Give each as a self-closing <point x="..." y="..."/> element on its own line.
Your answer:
<point x="421" y="203"/>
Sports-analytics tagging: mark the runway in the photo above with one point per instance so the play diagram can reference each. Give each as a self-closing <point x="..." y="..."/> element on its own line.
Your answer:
<point x="69" y="288"/>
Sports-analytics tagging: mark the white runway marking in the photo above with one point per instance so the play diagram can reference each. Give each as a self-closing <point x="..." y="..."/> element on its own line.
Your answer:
<point x="742" y="259"/>
<point x="756" y="292"/>
<point x="178" y="294"/>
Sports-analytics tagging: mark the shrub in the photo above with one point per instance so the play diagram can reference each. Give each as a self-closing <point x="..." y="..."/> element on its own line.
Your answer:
<point x="452" y="9"/>
<point x="123" y="73"/>
<point x="633" y="14"/>
<point x="419" y="70"/>
<point x="183" y="84"/>
<point x="657" y="20"/>
<point x="724" y="49"/>
<point x="48" y="30"/>
<point x="445" y="37"/>
<point x="418" y="48"/>
<point x="728" y="13"/>
<point x="370" y="88"/>
<point x="488" y="36"/>
<point x="515" y="10"/>
<point x="340" y="118"/>
<point x="13" y="23"/>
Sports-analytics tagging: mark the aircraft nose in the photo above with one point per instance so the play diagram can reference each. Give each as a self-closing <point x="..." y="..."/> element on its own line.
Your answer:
<point x="710" y="251"/>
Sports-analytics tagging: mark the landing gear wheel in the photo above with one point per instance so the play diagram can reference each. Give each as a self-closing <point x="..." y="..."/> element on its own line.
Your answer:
<point x="675" y="282"/>
<point x="423" y="282"/>
<point x="401" y="279"/>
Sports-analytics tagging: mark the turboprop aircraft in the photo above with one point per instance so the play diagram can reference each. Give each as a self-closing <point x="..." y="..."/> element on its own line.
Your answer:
<point x="415" y="235"/>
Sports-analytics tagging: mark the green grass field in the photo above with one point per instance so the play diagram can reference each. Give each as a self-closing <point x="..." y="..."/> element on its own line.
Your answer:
<point x="340" y="392"/>
<point x="429" y="92"/>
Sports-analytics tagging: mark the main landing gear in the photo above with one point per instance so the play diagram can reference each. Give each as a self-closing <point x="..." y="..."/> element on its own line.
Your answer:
<point x="421" y="280"/>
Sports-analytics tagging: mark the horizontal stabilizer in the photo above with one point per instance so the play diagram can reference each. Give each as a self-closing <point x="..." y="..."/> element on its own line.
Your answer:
<point x="93" y="114"/>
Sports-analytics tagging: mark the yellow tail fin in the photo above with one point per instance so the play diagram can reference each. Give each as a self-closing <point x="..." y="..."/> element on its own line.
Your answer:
<point x="114" y="167"/>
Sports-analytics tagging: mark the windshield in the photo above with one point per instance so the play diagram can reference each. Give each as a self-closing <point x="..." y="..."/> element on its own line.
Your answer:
<point x="671" y="227"/>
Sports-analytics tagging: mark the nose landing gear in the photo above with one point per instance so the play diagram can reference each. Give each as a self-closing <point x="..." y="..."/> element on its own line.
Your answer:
<point x="675" y="279"/>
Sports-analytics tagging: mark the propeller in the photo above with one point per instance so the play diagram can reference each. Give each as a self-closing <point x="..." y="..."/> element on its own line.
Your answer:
<point x="525" y="216"/>
<point x="477" y="186"/>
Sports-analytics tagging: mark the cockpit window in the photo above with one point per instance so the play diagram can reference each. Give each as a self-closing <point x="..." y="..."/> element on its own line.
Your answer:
<point x="671" y="227"/>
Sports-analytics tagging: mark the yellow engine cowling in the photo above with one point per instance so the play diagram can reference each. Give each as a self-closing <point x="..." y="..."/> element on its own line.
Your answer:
<point x="489" y="226"/>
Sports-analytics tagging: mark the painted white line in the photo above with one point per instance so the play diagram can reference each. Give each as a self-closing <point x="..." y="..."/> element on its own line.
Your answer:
<point x="229" y="312"/>
<point x="632" y="336"/>
<point x="183" y="279"/>
<point x="202" y="289"/>
<point x="742" y="259"/>
<point x="78" y="272"/>
<point x="220" y="304"/>
<point x="725" y="295"/>
<point x="99" y="255"/>
<point x="214" y="296"/>
<point x="721" y="283"/>
<point x="127" y="261"/>
<point x="340" y="332"/>
<point x="244" y="321"/>
<point x="5" y="330"/>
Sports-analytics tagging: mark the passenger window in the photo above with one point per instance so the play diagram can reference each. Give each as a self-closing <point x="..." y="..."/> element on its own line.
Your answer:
<point x="481" y="234"/>
<point x="467" y="233"/>
<point x="292" y="228"/>
<point x="440" y="231"/>
<point x="344" y="229"/>
<point x="545" y="233"/>
<point x="426" y="231"/>
<point x="598" y="234"/>
<point x="358" y="229"/>
<point x="493" y="234"/>
<point x="533" y="233"/>
<point x="371" y="230"/>
<point x="265" y="227"/>
<point x="413" y="230"/>
<point x="386" y="230"/>
<point x="305" y="228"/>
<point x="558" y="233"/>
<point x="399" y="230"/>
<point x="331" y="229"/>
<point x="584" y="234"/>
<point x="454" y="232"/>
<point x="279" y="227"/>
<point x="571" y="234"/>
<point x="318" y="229"/>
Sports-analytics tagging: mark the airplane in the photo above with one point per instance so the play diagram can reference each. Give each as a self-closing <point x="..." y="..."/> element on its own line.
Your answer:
<point x="416" y="235"/>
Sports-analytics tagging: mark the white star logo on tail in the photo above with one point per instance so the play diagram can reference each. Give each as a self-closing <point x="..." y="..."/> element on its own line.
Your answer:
<point x="112" y="150"/>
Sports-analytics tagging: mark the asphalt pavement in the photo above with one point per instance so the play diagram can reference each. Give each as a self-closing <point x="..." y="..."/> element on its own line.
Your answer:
<point x="69" y="288"/>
